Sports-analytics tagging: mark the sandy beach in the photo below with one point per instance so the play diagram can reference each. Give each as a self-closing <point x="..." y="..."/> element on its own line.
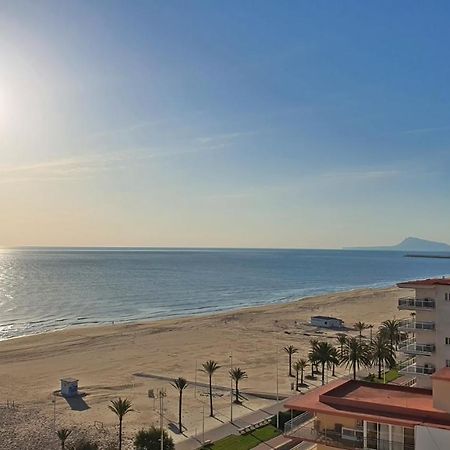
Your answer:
<point x="122" y="360"/>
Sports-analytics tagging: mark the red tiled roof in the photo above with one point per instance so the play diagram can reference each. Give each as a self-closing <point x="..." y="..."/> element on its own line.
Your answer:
<point x="427" y="282"/>
<point x="397" y="405"/>
<point x="442" y="374"/>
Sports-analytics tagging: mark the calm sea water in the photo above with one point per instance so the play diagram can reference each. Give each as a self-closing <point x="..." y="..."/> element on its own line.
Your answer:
<point x="48" y="289"/>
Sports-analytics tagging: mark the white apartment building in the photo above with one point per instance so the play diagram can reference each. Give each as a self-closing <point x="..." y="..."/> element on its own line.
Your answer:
<point x="428" y="344"/>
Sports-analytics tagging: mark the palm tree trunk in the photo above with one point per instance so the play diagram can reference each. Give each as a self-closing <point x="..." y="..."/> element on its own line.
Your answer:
<point x="301" y="377"/>
<point x="354" y="370"/>
<point x="180" y="425"/>
<point x="323" y="373"/>
<point x="312" y="370"/>
<point x="120" y="433"/>
<point x="379" y="368"/>
<point x="290" y="365"/>
<point x="296" y="381"/>
<point x="334" y="367"/>
<point x="237" y="391"/>
<point x="211" y="413"/>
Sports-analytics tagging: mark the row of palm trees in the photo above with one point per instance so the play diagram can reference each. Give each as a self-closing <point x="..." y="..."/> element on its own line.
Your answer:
<point x="121" y="407"/>
<point x="352" y="352"/>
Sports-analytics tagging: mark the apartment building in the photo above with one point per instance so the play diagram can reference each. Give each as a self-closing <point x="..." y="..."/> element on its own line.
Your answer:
<point x="351" y="414"/>
<point x="428" y="344"/>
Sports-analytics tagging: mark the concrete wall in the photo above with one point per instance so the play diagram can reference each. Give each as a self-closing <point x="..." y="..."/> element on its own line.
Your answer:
<point x="441" y="317"/>
<point x="432" y="438"/>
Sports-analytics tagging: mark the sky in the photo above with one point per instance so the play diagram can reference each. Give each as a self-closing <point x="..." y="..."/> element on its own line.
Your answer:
<point x="196" y="123"/>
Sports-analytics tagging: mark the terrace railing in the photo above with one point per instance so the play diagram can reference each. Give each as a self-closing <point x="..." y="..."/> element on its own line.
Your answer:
<point x="414" y="325"/>
<point x="411" y="347"/>
<point x="416" y="303"/>
<point x="410" y="367"/>
<point x="345" y="438"/>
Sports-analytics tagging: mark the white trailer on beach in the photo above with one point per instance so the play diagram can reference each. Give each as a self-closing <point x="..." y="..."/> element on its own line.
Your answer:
<point x="69" y="387"/>
<point x="327" y="322"/>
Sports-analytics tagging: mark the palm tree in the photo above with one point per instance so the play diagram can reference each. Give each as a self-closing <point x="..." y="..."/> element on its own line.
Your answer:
<point x="237" y="375"/>
<point x="323" y="355"/>
<point x="312" y="356"/>
<point x="390" y="328"/>
<point x="299" y="366"/>
<point x="355" y="354"/>
<point x="180" y="384"/>
<point x="120" y="408"/>
<point x="342" y="340"/>
<point x="360" y="326"/>
<point x="290" y="350"/>
<point x="209" y="367"/>
<point x="381" y="351"/>
<point x="63" y="434"/>
<point x="334" y="360"/>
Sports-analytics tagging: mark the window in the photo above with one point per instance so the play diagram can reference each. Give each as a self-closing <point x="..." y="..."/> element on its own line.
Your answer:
<point x="447" y="341"/>
<point x="447" y="363"/>
<point x="447" y="296"/>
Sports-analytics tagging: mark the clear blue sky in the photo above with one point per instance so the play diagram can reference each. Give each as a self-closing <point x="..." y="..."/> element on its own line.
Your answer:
<point x="237" y="123"/>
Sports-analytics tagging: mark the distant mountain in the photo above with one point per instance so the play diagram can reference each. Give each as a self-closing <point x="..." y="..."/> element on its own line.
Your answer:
<point x="410" y="244"/>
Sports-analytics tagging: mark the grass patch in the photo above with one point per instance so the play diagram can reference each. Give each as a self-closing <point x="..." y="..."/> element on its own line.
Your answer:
<point x="246" y="441"/>
<point x="391" y="375"/>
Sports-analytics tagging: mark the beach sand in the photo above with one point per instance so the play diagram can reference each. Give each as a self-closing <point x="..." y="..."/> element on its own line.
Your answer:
<point x="106" y="360"/>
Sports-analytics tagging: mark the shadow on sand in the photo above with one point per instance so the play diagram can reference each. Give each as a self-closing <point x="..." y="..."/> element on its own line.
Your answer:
<point x="77" y="403"/>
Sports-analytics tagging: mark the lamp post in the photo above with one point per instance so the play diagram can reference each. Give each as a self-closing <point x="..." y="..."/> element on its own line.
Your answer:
<point x="231" y="389"/>
<point x="278" y="412"/>
<point x="54" y="412"/>
<point x="195" y="380"/>
<point x="161" y="394"/>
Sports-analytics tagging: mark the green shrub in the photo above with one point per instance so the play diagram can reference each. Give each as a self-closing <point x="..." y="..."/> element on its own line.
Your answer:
<point x="150" y="440"/>
<point x="84" y="444"/>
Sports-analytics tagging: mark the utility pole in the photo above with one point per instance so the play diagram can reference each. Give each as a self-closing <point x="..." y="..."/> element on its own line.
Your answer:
<point x="231" y="389"/>
<point x="54" y="412"/>
<point x="278" y="412"/>
<point x="195" y="380"/>
<point x="203" y="424"/>
<point x="161" y="394"/>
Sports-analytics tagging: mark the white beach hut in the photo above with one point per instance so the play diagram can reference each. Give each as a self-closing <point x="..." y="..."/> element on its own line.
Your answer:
<point x="69" y="387"/>
<point x="327" y="322"/>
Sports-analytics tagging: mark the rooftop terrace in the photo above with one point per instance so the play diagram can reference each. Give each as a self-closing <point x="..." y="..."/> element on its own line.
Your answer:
<point x="397" y="405"/>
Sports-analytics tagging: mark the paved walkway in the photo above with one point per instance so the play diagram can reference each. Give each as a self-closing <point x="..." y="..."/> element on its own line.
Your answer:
<point x="276" y="442"/>
<point x="227" y="428"/>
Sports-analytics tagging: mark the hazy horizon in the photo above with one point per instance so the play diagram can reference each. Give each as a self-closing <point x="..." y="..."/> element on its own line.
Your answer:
<point x="223" y="125"/>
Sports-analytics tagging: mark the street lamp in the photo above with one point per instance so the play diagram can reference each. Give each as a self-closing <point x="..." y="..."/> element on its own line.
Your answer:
<point x="231" y="388"/>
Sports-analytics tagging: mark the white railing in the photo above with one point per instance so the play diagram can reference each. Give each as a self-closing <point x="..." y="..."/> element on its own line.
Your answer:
<point x="413" y="325"/>
<point x="416" y="303"/>
<point x="417" y="349"/>
<point x="291" y="425"/>
<point x="411" y="366"/>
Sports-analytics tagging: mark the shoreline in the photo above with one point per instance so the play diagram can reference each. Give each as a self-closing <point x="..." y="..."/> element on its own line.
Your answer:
<point x="175" y="317"/>
<point x="109" y="360"/>
<point x="193" y="315"/>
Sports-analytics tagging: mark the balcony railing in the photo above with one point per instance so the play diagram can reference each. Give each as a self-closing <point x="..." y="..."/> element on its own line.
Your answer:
<point x="416" y="303"/>
<point x="410" y="367"/>
<point x="344" y="438"/>
<point x="414" y="325"/>
<point x="411" y="347"/>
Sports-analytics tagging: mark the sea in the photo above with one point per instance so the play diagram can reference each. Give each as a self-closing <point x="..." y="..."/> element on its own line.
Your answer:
<point x="47" y="289"/>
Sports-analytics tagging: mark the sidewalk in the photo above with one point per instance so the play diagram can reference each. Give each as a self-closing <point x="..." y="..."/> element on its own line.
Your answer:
<point x="227" y="428"/>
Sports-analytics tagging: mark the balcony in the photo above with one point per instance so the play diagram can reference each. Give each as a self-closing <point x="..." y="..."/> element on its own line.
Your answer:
<point x="411" y="325"/>
<point x="416" y="303"/>
<point x="410" y="367"/>
<point x="411" y="347"/>
<point x="308" y="428"/>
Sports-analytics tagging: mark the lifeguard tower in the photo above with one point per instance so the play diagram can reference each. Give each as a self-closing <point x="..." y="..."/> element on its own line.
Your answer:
<point x="69" y="387"/>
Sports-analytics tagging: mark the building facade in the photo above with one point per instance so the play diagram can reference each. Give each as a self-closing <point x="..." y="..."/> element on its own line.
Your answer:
<point x="350" y="414"/>
<point x="428" y="345"/>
